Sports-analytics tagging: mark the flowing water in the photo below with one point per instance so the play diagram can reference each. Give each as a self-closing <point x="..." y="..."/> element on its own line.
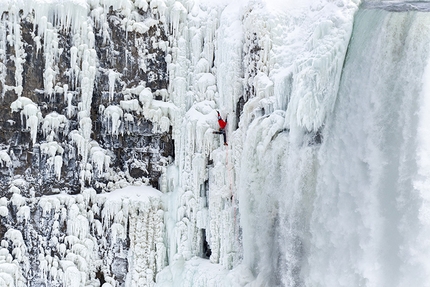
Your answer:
<point x="369" y="223"/>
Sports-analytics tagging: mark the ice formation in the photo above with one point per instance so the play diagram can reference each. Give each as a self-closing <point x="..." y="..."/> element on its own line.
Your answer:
<point x="89" y="217"/>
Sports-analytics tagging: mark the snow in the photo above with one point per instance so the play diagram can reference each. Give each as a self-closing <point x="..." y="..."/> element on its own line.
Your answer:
<point x="201" y="272"/>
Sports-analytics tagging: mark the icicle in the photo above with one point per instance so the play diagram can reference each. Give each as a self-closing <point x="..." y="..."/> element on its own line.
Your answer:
<point x="99" y="158"/>
<point x="52" y="122"/>
<point x="112" y="78"/>
<point x="114" y="114"/>
<point x="177" y="14"/>
<point x="5" y="159"/>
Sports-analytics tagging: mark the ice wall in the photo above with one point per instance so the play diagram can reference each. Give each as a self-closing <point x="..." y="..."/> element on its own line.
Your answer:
<point x="277" y="73"/>
<point x="322" y="182"/>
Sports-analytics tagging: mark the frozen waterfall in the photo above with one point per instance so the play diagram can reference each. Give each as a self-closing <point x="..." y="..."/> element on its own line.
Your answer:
<point x="111" y="175"/>
<point x="353" y="210"/>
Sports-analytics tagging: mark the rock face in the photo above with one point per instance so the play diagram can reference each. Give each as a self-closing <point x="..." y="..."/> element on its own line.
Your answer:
<point x="83" y="110"/>
<point x="59" y="101"/>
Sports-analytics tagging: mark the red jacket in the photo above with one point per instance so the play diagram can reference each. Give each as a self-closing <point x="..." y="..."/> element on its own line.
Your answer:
<point x="221" y="123"/>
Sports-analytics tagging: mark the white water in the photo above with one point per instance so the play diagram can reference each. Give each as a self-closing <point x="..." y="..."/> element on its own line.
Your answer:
<point x="367" y="228"/>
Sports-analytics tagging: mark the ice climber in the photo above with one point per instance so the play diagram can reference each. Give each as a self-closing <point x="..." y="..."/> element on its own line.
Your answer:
<point x="221" y="130"/>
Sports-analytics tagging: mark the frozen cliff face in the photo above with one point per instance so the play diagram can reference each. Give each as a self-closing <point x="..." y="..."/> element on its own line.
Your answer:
<point x="84" y="110"/>
<point x="83" y="240"/>
<point x="75" y="84"/>
<point x="277" y="69"/>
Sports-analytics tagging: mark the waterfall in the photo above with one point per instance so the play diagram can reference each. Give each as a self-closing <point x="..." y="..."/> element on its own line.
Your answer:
<point x="369" y="222"/>
<point x="351" y="210"/>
